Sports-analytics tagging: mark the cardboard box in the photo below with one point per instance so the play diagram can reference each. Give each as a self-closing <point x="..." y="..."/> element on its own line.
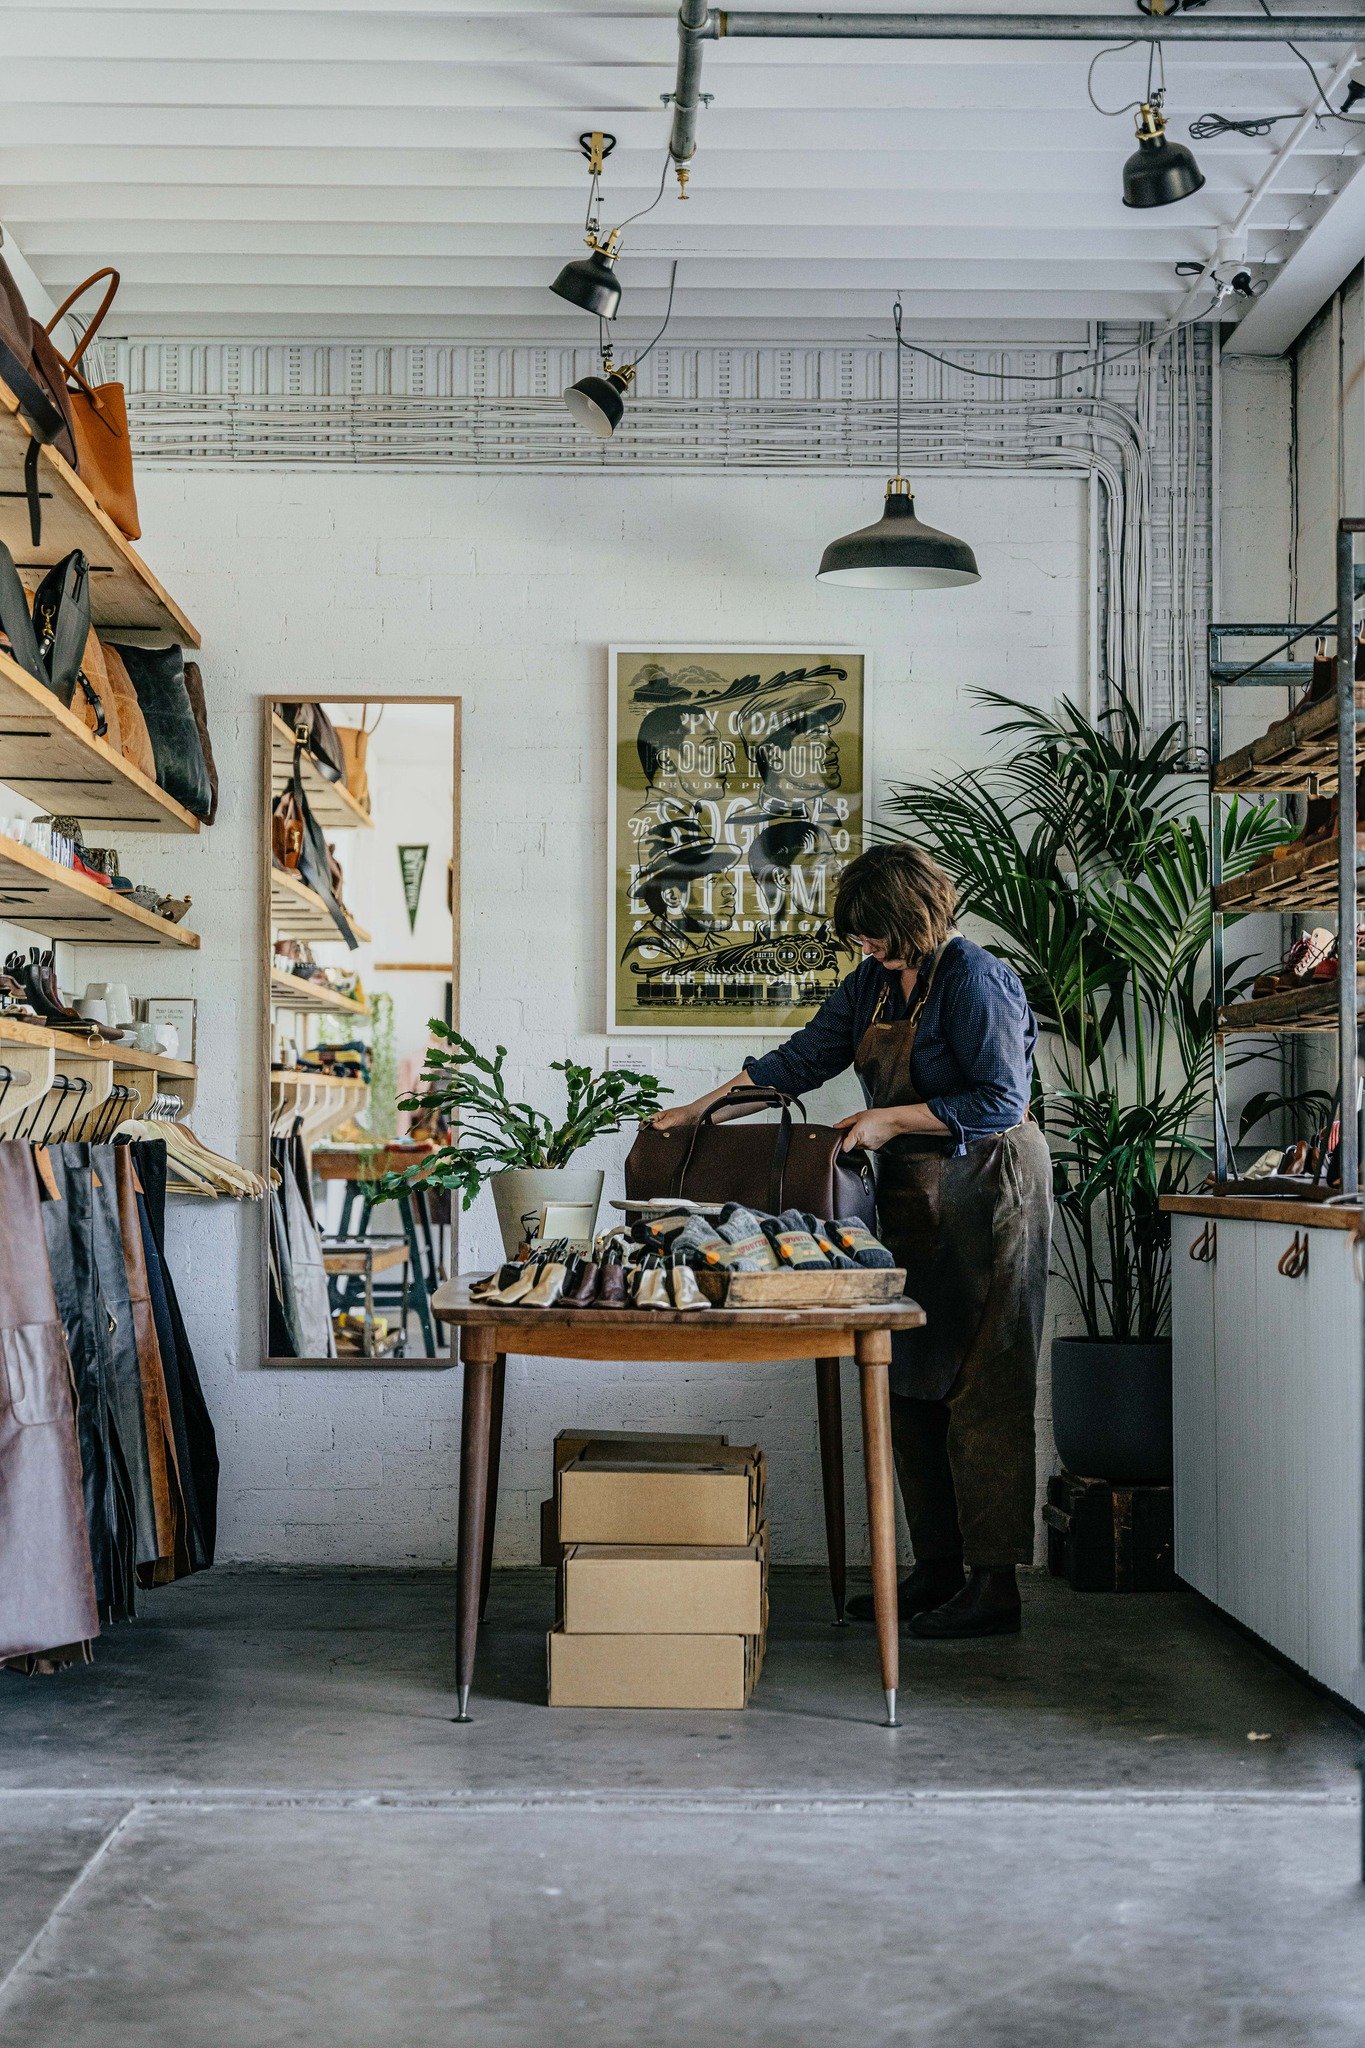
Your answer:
<point x="664" y="1589"/>
<point x="570" y="1443"/>
<point x="611" y="1494"/>
<point x="652" y="1671"/>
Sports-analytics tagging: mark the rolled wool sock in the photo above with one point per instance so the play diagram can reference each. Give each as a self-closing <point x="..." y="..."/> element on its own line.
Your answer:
<point x="852" y="1235"/>
<point x="820" y="1232"/>
<point x="693" y="1240"/>
<point x="748" y="1250"/>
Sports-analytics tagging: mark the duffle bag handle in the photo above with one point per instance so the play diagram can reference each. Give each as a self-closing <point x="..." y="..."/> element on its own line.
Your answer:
<point x="739" y="1103"/>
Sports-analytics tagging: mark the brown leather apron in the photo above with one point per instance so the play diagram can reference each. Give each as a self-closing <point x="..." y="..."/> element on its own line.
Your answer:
<point x="967" y="1229"/>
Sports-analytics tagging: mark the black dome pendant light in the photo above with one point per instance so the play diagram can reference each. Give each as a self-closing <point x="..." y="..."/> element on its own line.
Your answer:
<point x="899" y="552"/>
<point x="590" y="281"/>
<point x="1159" y="171"/>
<point x="598" y="403"/>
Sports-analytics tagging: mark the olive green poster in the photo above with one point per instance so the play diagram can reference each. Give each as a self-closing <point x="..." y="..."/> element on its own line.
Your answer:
<point x="737" y="802"/>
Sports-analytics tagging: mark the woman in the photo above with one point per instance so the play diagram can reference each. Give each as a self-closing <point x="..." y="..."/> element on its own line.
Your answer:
<point x="941" y="1037"/>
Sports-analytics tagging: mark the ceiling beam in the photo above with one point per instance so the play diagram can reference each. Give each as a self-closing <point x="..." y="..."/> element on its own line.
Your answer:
<point x="1324" y="259"/>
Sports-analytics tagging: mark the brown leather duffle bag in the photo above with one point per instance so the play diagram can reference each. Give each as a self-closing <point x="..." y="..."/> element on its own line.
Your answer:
<point x="99" y="415"/>
<point x="765" y="1166"/>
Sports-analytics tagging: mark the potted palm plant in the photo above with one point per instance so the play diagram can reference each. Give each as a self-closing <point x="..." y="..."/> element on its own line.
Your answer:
<point x="1083" y="851"/>
<point x="523" y="1153"/>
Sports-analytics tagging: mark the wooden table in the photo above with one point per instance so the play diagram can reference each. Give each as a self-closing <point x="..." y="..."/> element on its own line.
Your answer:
<point x="716" y="1336"/>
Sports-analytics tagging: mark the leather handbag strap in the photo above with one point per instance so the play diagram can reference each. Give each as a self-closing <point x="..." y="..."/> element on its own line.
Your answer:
<point x="742" y="1102"/>
<point x="72" y="362"/>
<point x="314" y="867"/>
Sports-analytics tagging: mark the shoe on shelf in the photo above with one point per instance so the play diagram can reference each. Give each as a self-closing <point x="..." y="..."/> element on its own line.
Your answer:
<point x="988" y="1605"/>
<point x="932" y="1581"/>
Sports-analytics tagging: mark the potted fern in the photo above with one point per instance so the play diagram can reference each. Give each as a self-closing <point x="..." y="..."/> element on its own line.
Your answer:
<point x="520" y="1150"/>
<point x="1085" y="851"/>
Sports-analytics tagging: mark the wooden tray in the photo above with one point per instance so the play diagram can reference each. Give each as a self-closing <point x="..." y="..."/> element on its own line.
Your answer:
<point x="844" y="1288"/>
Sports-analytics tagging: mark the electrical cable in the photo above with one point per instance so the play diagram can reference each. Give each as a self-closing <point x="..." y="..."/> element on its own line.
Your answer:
<point x="1354" y="120"/>
<point x="668" y="315"/>
<point x="663" y="179"/>
<point x="1256" y="125"/>
<point x="1153" y="341"/>
<point x="1110" y="113"/>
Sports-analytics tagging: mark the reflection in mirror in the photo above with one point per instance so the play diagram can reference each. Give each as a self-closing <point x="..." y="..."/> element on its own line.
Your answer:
<point x="362" y="852"/>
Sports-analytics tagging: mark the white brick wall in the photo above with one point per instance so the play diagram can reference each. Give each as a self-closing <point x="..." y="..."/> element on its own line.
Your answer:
<point x="507" y="590"/>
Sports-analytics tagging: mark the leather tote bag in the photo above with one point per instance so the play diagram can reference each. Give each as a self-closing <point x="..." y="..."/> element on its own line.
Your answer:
<point x="31" y="367"/>
<point x="158" y="675"/>
<point x="314" y="729"/>
<point x="99" y="416"/>
<point x="194" y="689"/>
<point x="317" y="865"/>
<point x="765" y="1166"/>
<point x="355" y="750"/>
<point x="16" y="620"/>
<point x="123" y="709"/>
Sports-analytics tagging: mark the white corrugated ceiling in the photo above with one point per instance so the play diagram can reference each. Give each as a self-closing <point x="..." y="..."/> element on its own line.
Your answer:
<point x="392" y="171"/>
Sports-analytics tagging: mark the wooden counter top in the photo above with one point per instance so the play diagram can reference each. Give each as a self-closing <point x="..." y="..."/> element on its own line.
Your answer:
<point x="1270" y="1209"/>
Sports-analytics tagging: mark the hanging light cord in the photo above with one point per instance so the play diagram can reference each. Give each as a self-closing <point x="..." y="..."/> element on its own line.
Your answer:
<point x="896" y="317"/>
<point x="1153" y="341"/>
<point x="663" y="179"/>
<point x="668" y="315"/>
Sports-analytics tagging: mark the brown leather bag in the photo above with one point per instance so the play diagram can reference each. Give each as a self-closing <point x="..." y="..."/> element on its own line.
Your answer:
<point x="92" y="699"/>
<point x="355" y="748"/>
<point x="194" y="690"/>
<point x="120" y="701"/>
<point x="765" y="1166"/>
<point x="99" y="417"/>
<point x="286" y="830"/>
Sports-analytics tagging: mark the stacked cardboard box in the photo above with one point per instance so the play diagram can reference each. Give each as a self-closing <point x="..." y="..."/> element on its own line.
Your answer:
<point x="662" y="1555"/>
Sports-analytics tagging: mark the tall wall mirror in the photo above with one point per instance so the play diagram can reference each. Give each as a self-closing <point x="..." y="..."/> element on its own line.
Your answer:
<point x="362" y="886"/>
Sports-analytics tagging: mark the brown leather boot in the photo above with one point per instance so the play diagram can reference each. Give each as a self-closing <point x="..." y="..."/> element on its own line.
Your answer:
<point x="988" y="1605"/>
<point x="931" y="1582"/>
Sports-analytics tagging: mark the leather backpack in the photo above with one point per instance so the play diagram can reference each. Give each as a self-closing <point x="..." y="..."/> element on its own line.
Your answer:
<point x="765" y="1166"/>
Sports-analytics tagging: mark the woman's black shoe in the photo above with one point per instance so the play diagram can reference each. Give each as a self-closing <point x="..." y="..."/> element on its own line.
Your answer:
<point x="988" y="1605"/>
<point x="929" y="1585"/>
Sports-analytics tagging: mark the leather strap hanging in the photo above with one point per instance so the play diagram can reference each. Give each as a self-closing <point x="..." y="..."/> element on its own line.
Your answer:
<point x="316" y="864"/>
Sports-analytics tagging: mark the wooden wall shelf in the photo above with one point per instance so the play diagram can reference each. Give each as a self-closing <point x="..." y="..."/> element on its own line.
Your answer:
<point x="335" y="809"/>
<point x="41" y="1053"/>
<point x="1308" y="1009"/>
<point x="1305" y="880"/>
<point x="292" y="992"/>
<point x="49" y="755"/>
<point x="1297" y="752"/>
<point x="298" y="912"/>
<point x="123" y="590"/>
<point x="42" y="896"/>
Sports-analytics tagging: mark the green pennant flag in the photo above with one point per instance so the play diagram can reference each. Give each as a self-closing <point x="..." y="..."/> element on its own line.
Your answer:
<point x="413" y="862"/>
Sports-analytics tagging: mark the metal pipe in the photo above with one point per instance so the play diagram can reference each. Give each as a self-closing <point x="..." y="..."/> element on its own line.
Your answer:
<point x="1044" y="28"/>
<point x="692" y="28"/>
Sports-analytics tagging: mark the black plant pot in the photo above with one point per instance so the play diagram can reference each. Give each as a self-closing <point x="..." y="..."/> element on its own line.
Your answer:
<point x="1111" y="1409"/>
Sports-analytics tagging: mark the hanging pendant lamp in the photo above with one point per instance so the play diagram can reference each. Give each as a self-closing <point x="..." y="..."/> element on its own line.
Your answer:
<point x="591" y="281"/>
<point x="1159" y="171"/>
<point x="598" y="403"/>
<point x="898" y="552"/>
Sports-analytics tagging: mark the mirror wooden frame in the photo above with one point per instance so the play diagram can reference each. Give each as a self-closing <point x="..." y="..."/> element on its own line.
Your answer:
<point x="377" y="701"/>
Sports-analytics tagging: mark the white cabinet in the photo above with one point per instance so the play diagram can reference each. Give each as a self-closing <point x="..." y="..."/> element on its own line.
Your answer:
<point x="1268" y="1390"/>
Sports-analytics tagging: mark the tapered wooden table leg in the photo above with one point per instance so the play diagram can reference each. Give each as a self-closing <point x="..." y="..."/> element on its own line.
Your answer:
<point x="832" y="1475"/>
<point x="494" y="1460"/>
<point x="478" y="1349"/>
<point x="874" y="1359"/>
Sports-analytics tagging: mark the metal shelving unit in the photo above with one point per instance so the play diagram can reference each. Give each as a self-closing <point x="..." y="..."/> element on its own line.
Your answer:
<point x="1313" y="752"/>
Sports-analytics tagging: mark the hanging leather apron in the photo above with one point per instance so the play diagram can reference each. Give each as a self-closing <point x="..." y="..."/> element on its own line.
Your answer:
<point x="966" y="1229"/>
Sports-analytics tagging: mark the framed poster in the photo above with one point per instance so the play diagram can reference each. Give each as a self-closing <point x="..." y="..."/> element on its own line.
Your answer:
<point x="737" y="800"/>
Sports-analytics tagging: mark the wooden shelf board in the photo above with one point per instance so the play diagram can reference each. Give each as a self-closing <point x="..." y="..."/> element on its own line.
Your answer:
<point x="310" y="1074"/>
<point x="41" y="896"/>
<point x="1308" y="1009"/>
<point x="50" y="756"/>
<point x="292" y="992"/>
<point x="335" y="809"/>
<point x="1297" y="752"/>
<point x="123" y="590"/>
<point x="15" y="1031"/>
<point x="298" y="912"/>
<point x="1273" y="1209"/>
<point x="1306" y="880"/>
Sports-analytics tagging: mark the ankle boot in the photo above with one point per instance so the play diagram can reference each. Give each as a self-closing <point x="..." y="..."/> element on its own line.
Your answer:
<point x="933" y="1580"/>
<point x="988" y="1605"/>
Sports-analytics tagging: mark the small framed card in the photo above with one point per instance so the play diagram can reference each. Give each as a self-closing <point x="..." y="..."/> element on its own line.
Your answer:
<point x="180" y="1011"/>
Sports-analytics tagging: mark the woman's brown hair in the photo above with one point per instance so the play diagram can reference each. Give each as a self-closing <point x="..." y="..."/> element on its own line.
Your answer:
<point x="899" y="895"/>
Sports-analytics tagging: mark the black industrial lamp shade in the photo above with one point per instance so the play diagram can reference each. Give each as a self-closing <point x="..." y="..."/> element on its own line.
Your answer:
<point x="1159" y="171"/>
<point x="597" y="403"/>
<point x="900" y="552"/>
<point x="590" y="282"/>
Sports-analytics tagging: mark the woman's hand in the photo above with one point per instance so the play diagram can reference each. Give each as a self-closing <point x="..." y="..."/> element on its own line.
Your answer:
<point x="870" y="1128"/>
<point x="681" y="1117"/>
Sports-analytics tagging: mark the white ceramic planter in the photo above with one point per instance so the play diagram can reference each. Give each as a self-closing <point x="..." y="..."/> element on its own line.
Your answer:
<point x="523" y="1191"/>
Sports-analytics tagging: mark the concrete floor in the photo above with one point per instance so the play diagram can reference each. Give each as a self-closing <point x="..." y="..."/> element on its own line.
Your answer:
<point x="254" y="1822"/>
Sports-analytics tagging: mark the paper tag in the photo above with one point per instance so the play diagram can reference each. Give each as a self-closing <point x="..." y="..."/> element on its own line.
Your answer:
<point x="45" y="1174"/>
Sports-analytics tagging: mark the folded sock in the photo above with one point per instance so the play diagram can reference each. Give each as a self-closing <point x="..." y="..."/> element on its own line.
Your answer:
<point x="747" y="1249"/>
<point x="852" y="1235"/>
